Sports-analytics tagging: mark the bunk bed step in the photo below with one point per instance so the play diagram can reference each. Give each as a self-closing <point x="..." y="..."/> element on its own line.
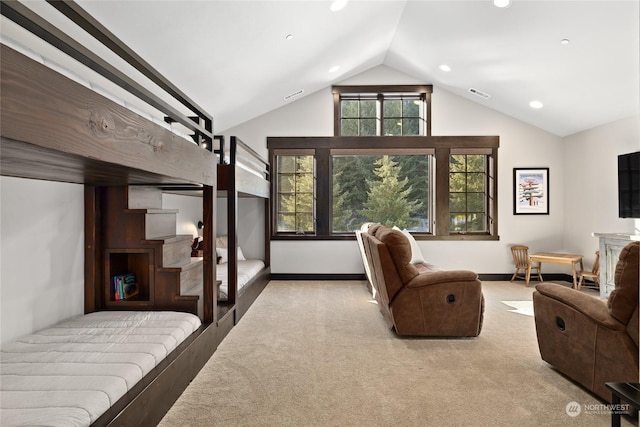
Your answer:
<point x="176" y="250"/>
<point x="190" y="275"/>
<point x="144" y="197"/>
<point x="158" y="222"/>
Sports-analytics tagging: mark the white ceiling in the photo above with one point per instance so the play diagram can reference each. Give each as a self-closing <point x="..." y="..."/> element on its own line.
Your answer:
<point x="233" y="59"/>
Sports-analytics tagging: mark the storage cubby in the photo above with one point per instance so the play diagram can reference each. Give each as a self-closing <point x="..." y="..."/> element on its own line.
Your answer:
<point x="129" y="261"/>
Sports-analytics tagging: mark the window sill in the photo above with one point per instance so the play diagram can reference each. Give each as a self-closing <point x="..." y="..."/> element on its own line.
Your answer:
<point x="456" y="237"/>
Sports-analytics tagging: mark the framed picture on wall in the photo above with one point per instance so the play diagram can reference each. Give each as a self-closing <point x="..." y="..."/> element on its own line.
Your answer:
<point x="531" y="191"/>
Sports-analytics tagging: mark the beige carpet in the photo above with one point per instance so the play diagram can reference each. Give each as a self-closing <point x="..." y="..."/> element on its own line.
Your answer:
<point x="319" y="354"/>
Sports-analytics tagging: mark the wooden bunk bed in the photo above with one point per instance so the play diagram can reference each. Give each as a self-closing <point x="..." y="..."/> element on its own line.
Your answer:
<point x="54" y="128"/>
<point x="241" y="173"/>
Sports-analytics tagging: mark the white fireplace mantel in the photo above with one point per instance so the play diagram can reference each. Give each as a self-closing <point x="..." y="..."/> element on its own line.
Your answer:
<point x="610" y="246"/>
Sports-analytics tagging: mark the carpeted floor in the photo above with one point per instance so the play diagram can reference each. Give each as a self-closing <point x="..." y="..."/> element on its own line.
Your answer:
<point x="319" y="354"/>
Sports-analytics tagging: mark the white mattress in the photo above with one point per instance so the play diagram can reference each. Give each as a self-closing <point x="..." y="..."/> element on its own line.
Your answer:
<point x="247" y="270"/>
<point x="71" y="373"/>
<point x="178" y="129"/>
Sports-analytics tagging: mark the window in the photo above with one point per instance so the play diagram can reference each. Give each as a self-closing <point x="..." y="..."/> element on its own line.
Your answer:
<point x="384" y="166"/>
<point x="403" y="115"/>
<point x="468" y="182"/>
<point x="418" y="183"/>
<point x="391" y="189"/>
<point x="359" y="116"/>
<point x="382" y="110"/>
<point x="295" y="194"/>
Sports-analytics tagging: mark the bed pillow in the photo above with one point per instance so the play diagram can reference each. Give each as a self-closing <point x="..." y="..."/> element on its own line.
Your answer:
<point x="416" y="253"/>
<point x="223" y="255"/>
<point x="221" y="242"/>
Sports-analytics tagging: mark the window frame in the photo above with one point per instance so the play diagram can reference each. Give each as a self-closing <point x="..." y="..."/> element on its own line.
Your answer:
<point x="488" y="177"/>
<point x="277" y="192"/>
<point x="442" y="146"/>
<point x="423" y="91"/>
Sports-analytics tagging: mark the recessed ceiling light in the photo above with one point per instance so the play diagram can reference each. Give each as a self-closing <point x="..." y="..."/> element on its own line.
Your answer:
<point x="565" y="41"/>
<point x="288" y="36"/>
<point x="536" y="104"/>
<point x="445" y="68"/>
<point x="501" y="3"/>
<point x="334" y="68"/>
<point x="337" y="5"/>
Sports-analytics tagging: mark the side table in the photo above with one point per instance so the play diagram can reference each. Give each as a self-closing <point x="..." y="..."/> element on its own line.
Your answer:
<point x="560" y="258"/>
<point x="628" y="392"/>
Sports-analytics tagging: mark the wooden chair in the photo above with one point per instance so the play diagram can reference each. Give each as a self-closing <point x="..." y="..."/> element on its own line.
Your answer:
<point x="523" y="262"/>
<point x="593" y="275"/>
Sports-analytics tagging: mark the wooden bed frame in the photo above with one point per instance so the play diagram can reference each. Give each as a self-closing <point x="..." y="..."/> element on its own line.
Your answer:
<point x="56" y="129"/>
<point x="233" y="182"/>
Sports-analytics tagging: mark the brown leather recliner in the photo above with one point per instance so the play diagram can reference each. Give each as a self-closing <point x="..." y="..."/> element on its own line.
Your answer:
<point x="589" y="340"/>
<point x="421" y="299"/>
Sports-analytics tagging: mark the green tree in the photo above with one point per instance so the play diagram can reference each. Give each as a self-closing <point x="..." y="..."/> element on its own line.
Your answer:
<point x="388" y="197"/>
<point x="416" y="169"/>
<point x="341" y="215"/>
<point x="350" y="176"/>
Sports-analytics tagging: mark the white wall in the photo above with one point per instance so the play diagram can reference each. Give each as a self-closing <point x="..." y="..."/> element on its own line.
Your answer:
<point x="591" y="184"/>
<point x="250" y="225"/>
<point x="41" y="255"/>
<point x="189" y="212"/>
<point x="521" y="145"/>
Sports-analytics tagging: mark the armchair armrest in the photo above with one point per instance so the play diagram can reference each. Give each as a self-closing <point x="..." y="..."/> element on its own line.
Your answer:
<point x="442" y="276"/>
<point x="590" y="306"/>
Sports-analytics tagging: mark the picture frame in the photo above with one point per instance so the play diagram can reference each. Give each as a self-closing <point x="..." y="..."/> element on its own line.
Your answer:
<point x="531" y="191"/>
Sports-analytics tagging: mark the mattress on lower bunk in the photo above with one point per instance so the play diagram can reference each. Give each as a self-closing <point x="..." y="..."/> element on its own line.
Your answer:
<point x="71" y="373"/>
<point x="247" y="270"/>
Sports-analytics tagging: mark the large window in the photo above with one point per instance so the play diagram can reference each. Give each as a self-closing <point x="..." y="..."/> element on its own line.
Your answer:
<point x="390" y="189"/>
<point x="384" y="166"/>
<point x="437" y="188"/>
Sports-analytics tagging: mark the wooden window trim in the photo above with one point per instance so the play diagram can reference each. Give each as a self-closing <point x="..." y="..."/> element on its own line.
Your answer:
<point x="443" y="146"/>
<point x="274" y="190"/>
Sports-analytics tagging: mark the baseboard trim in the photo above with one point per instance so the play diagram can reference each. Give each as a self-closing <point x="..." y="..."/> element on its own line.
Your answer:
<point x="295" y="276"/>
<point x="548" y="277"/>
<point x="488" y="277"/>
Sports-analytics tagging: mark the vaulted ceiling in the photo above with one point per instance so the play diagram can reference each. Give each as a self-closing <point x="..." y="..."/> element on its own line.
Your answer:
<point x="235" y="60"/>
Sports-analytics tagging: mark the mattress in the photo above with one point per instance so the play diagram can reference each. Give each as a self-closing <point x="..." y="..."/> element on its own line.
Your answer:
<point x="247" y="270"/>
<point x="133" y="103"/>
<point x="73" y="372"/>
